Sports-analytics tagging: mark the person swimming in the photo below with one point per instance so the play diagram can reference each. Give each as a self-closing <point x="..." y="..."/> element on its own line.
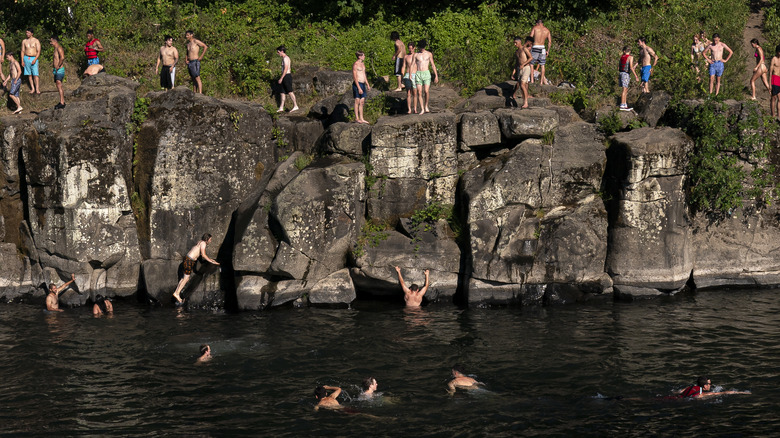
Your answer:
<point x="461" y="380"/>
<point x="369" y="388"/>
<point x="205" y="354"/>
<point x="325" y="400"/>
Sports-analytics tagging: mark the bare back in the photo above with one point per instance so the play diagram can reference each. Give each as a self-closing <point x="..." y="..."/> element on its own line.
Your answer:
<point x="645" y="54"/>
<point x="540" y="34"/>
<point x="16" y="70"/>
<point x="59" y="56"/>
<point x="400" y="49"/>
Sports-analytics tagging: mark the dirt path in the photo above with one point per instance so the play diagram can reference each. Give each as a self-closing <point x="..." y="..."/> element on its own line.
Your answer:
<point x="754" y="29"/>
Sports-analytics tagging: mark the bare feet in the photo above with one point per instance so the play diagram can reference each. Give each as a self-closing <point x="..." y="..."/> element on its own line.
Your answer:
<point x="280" y="110"/>
<point x="427" y="110"/>
<point x="752" y="97"/>
<point x="177" y="298"/>
<point x="524" y="106"/>
<point x="398" y="89"/>
<point x="18" y="110"/>
<point x="422" y="111"/>
<point x="295" y="108"/>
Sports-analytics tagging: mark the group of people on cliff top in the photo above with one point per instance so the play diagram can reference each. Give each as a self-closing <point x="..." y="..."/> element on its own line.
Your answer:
<point x="412" y="65"/>
<point x="29" y="61"/>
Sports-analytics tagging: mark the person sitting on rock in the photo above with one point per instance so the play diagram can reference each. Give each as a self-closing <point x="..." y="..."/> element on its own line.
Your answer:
<point x="205" y="354"/>
<point x="413" y="295"/>
<point x="102" y="306"/>
<point x="461" y="380"/>
<point x="52" y="299"/>
<point x="199" y="250"/>
<point x="325" y="400"/>
<point x="94" y="69"/>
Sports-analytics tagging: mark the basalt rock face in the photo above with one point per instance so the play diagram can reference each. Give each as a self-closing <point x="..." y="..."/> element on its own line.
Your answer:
<point x="198" y="159"/>
<point x="650" y="242"/>
<point x="534" y="218"/>
<point x="77" y="163"/>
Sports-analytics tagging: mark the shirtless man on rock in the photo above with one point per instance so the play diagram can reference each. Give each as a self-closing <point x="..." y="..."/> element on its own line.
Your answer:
<point x="716" y="62"/>
<point x="540" y="34"/>
<point x="168" y="56"/>
<point x="31" y="50"/>
<point x="423" y="75"/>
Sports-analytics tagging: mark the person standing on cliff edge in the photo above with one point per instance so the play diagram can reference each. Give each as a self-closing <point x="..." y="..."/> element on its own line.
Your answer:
<point x="540" y="34"/>
<point x="193" y="59"/>
<point x="716" y="62"/>
<point x="199" y="250"/>
<point x="31" y="50"/>
<point x="645" y="53"/>
<point x="169" y="56"/>
<point x="413" y="295"/>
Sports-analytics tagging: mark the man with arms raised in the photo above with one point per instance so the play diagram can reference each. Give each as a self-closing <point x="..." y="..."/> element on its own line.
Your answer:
<point x="716" y="62"/>
<point x="59" y="69"/>
<point x="409" y="70"/>
<point x="31" y="49"/>
<point x="52" y="299"/>
<point x="423" y="75"/>
<point x="398" y="56"/>
<point x="199" y="250"/>
<point x="193" y="59"/>
<point x="413" y="295"/>
<point x="645" y="52"/>
<point x="360" y="86"/>
<point x="540" y="34"/>
<point x="169" y="56"/>
<point x="15" y="76"/>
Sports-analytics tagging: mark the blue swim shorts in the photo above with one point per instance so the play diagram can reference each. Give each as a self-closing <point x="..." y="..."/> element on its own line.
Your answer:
<point x="646" y="73"/>
<point x="359" y="93"/>
<point x="716" y="68"/>
<point x="30" y="69"/>
<point x="93" y="61"/>
<point x="59" y="74"/>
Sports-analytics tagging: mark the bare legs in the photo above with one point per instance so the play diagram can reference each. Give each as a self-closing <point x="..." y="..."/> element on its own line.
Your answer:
<point x="715" y="81"/>
<point x="295" y="103"/>
<point x="359" y="110"/>
<point x="760" y="72"/>
<point x="179" y="287"/>
<point x="411" y="97"/>
<point x="423" y="103"/>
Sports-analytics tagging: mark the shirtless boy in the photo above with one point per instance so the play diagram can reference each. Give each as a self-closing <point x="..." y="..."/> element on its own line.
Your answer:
<point x="31" y="49"/>
<point x="716" y="62"/>
<point x="626" y="65"/>
<point x="423" y="75"/>
<point x="59" y="69"/>
<point x="199" y="250"/>
<point x="15" y="76"/>
<point x="522" y="71"/>
<point x="102" y="306"/>
<point x="460" y="380"/>
<point x="774" y="72"/>
<point x="2" y="58"/>
<point x="193" y="59"/>
<point x="168" y="56"/>
<point x="92" y="48"/>
<point x="360" y="86"/>
<point x="52" y="299"/>
<point x="286" y="79"/>
<point x="413" y="295"/>
<point x="398" y="56"/>
<point x="645" y="52"/>
<point x="409" y="70"/>
<point x="540" y="34"/>
<point x="325" y="400"/>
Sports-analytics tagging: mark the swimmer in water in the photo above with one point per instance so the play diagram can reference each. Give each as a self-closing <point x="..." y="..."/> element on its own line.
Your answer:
<point x="703" y="389"/>
<point x="413" y="295"/>
<point x="461" y="380"/>
<point x="369" y="388"/>
<point x="102" y="306"/>
<point x="205" y="354"/>
<point x="325" y="400"/>
<point x="52" y="299"/>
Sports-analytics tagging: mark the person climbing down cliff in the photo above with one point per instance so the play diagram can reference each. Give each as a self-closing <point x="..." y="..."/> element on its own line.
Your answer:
<point x="199" y="250"/>
<point x="413" y="295"/>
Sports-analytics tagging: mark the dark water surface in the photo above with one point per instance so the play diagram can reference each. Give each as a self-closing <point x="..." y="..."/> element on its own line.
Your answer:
<point x="545" y="369"/>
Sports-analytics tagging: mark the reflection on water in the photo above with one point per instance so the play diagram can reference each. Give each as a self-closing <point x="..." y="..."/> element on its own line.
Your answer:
<point x="547" y="371"/>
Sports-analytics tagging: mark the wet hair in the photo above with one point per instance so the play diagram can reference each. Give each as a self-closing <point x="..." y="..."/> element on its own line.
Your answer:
<point x="281" y="49"/>
<point x="51" y="285"/>
<point x="715" y="35"/>
<point x="206" y="237"/>
<point x="459" y="368"/>
<point x="421" y="45"/>
<point x="755" y="41"/>
<point x="167" y="37"/>
<point x="367" y="382"/>
<point x="203" y="349"/>
<point x="414" y="288"/>
<point x="358" y="54"/>
<point x="100" y="300"/>
<point x="626" y="49"/>
<point x="701" y="381"/>
<point x="394" y="35"/>
<point x="189" y="32"/>
<point x="641" y="39"/>
<point x="320" y="392"/>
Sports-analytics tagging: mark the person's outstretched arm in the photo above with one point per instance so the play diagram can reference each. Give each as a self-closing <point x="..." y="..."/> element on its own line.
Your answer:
<point x="427" y="282"/>
<point x="401" y="280"/>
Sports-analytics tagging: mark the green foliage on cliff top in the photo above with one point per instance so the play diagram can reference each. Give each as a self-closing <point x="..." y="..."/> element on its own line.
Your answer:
<point x="471" y="40"/>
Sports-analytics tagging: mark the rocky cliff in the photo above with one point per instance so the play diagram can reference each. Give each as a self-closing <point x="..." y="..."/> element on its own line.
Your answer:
<point x="503" y="205"/>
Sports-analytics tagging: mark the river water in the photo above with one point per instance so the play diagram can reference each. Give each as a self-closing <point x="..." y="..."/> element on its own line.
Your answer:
<point x="548" y="371"/>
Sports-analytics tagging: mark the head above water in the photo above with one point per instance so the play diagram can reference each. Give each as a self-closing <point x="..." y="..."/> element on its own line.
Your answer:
<point x="458" y="369"/>
<point x="320" y="393"/>
<point x="204" y="349"/>
<point x="368" y="382"/>
<point x="52" y="286"/>
<point x="414" y="288"/>
<point x="703" y="381"/>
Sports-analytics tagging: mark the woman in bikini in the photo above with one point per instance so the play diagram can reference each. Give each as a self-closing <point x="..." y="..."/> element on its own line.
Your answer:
<point x="697" y="48"/>
<point x="759" y="69"/>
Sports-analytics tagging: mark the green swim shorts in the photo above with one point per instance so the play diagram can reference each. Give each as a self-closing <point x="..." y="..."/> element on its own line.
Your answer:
<point x="423" y="77"/>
